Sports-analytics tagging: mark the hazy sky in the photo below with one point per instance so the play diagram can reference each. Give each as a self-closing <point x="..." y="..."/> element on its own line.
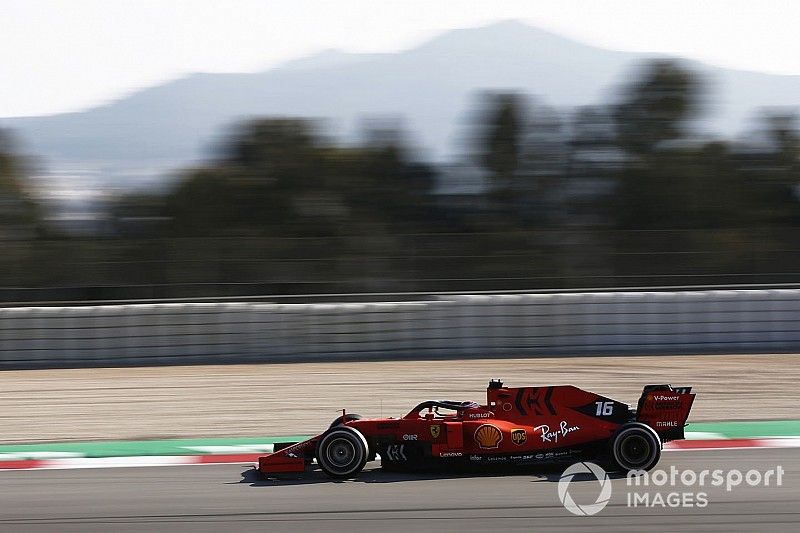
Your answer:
<point x="64" y="55"/>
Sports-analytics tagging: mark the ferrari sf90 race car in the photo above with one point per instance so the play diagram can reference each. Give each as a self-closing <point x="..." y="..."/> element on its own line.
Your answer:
<point x="515" y="427"/>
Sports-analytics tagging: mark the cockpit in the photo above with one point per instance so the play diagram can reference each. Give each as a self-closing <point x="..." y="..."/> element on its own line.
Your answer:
<point x="433" y="409"/>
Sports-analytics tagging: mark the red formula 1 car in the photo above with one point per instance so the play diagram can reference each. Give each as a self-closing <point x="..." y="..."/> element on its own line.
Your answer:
<point x="516" y="426"/>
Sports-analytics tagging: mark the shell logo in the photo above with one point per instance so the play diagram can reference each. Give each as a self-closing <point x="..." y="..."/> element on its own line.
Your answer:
<point x="488" y="437"/>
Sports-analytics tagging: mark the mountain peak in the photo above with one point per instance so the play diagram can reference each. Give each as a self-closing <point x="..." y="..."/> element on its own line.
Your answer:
<point x="510" y="34"/>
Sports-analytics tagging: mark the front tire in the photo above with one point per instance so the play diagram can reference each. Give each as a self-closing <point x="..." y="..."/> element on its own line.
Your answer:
<point x="349" y="417"/>
<point x="342" y="452"/>
<point x="635" y="446"/>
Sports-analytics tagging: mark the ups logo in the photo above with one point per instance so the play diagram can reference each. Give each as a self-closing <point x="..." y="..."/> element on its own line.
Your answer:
<point x="518" y="436"/>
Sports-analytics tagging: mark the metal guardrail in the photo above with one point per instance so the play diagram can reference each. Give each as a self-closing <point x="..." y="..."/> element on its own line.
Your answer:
<point x="445" y="325"/>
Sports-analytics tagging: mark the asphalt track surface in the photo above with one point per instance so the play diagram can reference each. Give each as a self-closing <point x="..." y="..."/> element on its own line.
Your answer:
<point x="219" y="498"/>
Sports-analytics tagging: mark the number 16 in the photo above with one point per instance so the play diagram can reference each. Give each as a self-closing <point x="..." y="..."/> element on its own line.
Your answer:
<point x="604" y="408"/>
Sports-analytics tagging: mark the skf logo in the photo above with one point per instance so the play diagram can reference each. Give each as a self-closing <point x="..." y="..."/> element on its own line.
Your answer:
<point x="518" y="436"/>
<point x="488" y="437"/>
<point x="436" y="430"/>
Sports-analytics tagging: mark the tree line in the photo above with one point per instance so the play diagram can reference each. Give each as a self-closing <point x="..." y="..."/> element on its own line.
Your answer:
<point x="626" y="193"/>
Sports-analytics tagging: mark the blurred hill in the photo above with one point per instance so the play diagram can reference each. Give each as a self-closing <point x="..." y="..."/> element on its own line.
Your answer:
<point x="429" y="86"/>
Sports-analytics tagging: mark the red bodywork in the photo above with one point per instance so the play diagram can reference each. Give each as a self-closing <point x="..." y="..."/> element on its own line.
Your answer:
<point x="517" y="425"/>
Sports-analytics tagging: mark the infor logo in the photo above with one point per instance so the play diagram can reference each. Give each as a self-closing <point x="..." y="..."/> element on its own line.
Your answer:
<point x="602" y="498"/>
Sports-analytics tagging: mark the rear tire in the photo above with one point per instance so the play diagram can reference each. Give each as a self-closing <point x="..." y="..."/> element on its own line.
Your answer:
<point x="635" y="446"/>
<point x="342" y="452"/>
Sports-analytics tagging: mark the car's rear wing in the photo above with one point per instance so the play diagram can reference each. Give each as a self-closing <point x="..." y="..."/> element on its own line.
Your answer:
<point x="665" y="409"/>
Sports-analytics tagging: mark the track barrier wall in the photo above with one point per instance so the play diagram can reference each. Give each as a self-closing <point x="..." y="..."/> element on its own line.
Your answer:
<point x="590" y="323"/>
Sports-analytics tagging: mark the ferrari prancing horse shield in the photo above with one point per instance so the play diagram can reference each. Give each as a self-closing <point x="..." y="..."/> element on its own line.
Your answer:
<point x="435" y="431"/>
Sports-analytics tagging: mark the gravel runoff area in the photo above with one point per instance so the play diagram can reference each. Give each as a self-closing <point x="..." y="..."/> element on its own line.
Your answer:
<point x="302" y="398"/>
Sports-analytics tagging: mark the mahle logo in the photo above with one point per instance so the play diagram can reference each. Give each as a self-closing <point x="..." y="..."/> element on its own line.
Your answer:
<point x="585" y="468"/>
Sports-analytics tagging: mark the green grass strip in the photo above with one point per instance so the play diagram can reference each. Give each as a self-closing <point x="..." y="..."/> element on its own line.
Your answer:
<point x="138" y="448"/>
